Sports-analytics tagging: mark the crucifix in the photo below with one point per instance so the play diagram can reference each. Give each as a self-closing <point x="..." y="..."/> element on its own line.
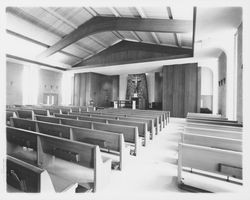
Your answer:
<point x="136" y="80"/>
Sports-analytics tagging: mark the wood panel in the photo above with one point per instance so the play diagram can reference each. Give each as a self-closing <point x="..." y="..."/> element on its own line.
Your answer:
<point x="158" y="87"/>
<point x="180" y="86"/>
<point x="82" y="89"/>
<point x="178" y="91"/>
<point x="168" y="89"/>
<point x="191" y="88"/>
<point x="128" y="51"/>
<point x="97" y="87"/>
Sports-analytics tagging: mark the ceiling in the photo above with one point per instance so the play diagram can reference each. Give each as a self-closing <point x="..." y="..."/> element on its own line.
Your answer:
<point x="32" y="31"/>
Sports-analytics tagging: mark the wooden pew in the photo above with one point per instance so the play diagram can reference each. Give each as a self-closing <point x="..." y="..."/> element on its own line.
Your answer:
<point x="213" y="126"/>
<point x="25" y="177"/>
<point x="67" y="162"/>
<point x="214" y="132"/>
<point x="156" y="119"/>
<point x="205" y="115"/>
<point x="212" y="160"/>
<point x="142" y="127"/>
<point x="130" y="133"/>
<point x="21" y="113"/>
<point x="212" y="141"/>
<point x="9" y="114"/>
<point x="166" y="114"/>
<point x="161" y="117"/>
<point x="218" y="122"/>
<point x="109" y="141"/>
<point x="150" y="122"/>
<point x="43" y="112"/>
<point x="53" y="111"/>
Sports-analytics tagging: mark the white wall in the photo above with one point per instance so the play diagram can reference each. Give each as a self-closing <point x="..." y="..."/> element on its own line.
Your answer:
<point x="14" y="79"/>
<point x="206" y="81"/>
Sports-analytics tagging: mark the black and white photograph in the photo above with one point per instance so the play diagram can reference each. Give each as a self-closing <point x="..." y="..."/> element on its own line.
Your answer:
<point x="110" y="100"/>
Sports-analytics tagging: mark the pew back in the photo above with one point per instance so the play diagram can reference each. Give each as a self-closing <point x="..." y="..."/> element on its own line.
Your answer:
<point x="214" y="132"/>
<point x="214" y="142"/>
<point x="192" y="156"/>
<point x="26" y="177"/>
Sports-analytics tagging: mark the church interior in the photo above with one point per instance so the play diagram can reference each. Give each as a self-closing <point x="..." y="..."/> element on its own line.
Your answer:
<point x="106" y="100"/>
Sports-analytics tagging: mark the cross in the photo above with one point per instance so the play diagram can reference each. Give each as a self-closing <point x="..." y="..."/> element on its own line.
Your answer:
<point x="136" y="80"/>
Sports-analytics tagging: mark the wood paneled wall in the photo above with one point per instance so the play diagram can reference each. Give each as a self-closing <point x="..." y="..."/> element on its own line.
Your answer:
<point x="158" y="87"/>
<point x="180" y="89"/>
<point x="100" y="88"/>
<point x="130" y="52"/>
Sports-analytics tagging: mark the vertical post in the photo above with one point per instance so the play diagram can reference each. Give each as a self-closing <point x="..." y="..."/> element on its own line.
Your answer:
<point x="179" y="177"/>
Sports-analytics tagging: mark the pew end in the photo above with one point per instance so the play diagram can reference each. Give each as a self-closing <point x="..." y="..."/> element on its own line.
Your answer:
<point x="102" y="170"/>
<point x="24" y="177"/>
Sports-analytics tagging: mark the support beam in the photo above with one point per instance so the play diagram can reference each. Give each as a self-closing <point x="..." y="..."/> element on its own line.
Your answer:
<point x="39" y="43"/>
<point x="102" y="24"/>
<point x="58" y="16"/>
<point x="34" y="62"/>
<point x="176" y="37"/>
<point x="69" y="23"/>
<point x="98" y="41"/>
<point x="117" y="14"/>
<point x="92" y="12"/>
<point x="143" y="15"/>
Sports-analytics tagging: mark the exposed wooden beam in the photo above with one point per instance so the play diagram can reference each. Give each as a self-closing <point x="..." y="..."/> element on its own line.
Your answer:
<point x="60" y="17"/>
<point x="91" y="11"/>
<point x="34" y="62"/>
<point x="117" y="14"/>
<point x="98" y="41"/>
<point x="176" y="36"/>
<point x="194" y="27"/>
<point x="69" y="23"/>
<point x="102" y="24"/>
<point x="143" y="15"/>
<point x="137" y="37"/>
<point x="39" y="43"/>
<point x="118" y="35"/>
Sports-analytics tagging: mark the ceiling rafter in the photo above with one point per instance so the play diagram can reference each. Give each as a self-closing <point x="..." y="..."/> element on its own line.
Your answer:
<point x="102" y="24"/>
<point x="69" y="23"/>
<point x="39" y="43"/>
<point x="34" y="62"/>
<point x="98" y="41"/>
<point x="143" y="15"/>
<point x="117" y="14"/>
<point x="92" y="12"/>
<point x="176" y="36"/>
<point x="60" y="17"/>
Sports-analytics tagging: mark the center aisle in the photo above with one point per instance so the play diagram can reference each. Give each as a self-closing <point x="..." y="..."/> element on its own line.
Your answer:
<point x="155" y="168"/>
